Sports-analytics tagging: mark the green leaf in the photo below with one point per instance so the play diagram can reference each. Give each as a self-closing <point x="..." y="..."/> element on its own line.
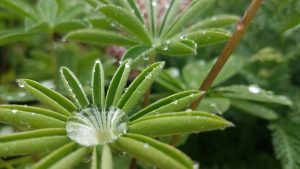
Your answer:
<point x="47" y="11"/>
<point x="172" y="103"/>
<point x="171" y="80"/>
<point x="70" y="13"/>
<point x="178" y="48"/>
<point x="255" y="109"/>
<point x="128" y="21"/>
<point x="209" y="36"/>
<point x="177" y="123"/>
<point x="139" y="86"/>
<point x="170" y="15"/>
<point x="98" y="36"/>
<point x="74" y="87"/>
<point x="19" y="7"/>
<point x="49" y="97"/>
<point x="219" y="21"/>
<point x="36" y="110"/>
<point x="195" y="9"/>
<point x="32" y="142"/>
<point x="137" y="52"/>
<point x="136" y="10"/>
<point x="106" y="159"/>
<point x="95" y="160"/>
<point x="214" y="105"/>
<point x="98" y="83"/>
<point x="118" y="83"/>
<point x="254" y="93"/>
<point x="154" y="152"/>
<point x="10" y="36"/>
<point x="68" y="26"/>
<point x="72" y="160"/>
<point x="286" y="142"/>
<point x="55" y="156"/>
<point x="195" y="72"/>
<point x="28" y="119"/>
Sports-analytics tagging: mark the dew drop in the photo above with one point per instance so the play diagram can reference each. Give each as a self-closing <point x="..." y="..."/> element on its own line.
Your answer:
<point x="148" y="75"/>
<point x="95" y="125"/>
<point x="154" y="3"/>
<point x="175" y="102"/>
<point x="183" y="37"/>
<point x="254" y="89"/>
<point x="146" y="145"/>
<point x="196" y="165"/>
<point x="21" y="94"/>
<point x="166" y="45"/>
<point x="125" y="89"/>
<point x="21" y="83"/>
<point x="14" y="111"/>
<point x="127" y="65"/>
<point x="188" y="110"/>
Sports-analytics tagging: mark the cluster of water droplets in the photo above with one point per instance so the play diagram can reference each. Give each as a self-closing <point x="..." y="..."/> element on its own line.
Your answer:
<point x="95" y="125"/>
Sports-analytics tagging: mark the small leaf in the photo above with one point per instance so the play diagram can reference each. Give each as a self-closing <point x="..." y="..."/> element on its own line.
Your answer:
<point x="254" y="93"/>
<point x="172" y="103"/>
<point x="28" y="119"/>
<point x="32" y="142"/>
<point x="71" y="160"/>
<point x="139" y="86"/>
<point x="118" y="83"/>
<point x="106" y="159"/>
<point x="49" y="97"/>
<point x="55" y="156"/>
<point x="136" y="10"/>
<point x="177" y="48"/>
<point x="195" y="9"/>
<point x="128" y="21"/>
<point x="137" y="52"/>
<point x="9" y="36"/>
<point x="209" y="36"/>
<point x="74" y="87"/>
<point x="170" y="15"/>
<point x="68" y="26"/>
<point x="214" y="105"/>
<point x="152" y="151"/>
<point x="37" y="110"/>
<point x="177" y="123"/>
<point x="219" y="21"/>
<point x="98" y="83"/>
<point x="98" y="36"/>
<point x="255" y="109"/>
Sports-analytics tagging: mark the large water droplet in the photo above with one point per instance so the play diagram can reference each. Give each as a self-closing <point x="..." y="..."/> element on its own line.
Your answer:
<point x="254" y="89"/>
<point x="21" y="83"/>
<point x="96" y="125"/>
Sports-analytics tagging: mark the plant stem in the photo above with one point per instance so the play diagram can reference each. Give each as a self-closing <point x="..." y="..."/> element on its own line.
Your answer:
<point x="133" y="163"/>
<point x="241" y="28"/>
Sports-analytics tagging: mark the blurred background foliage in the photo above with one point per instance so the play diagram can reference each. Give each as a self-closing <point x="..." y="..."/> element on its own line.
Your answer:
<point x="266" y="135"/>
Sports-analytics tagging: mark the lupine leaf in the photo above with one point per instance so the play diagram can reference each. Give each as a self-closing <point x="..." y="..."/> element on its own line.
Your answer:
<point x="28" y="120"/>
<point x="177" y="123"/>
<point x="171" y="82"/>
<point x="18" y="7"/>
<point x="106" y="158"/>
<point x="118" y="83"/>
<point x="128" y="21"/>
<point x="55" y="156"/>
<point x="37" y="110"/>
<point x="99" y="36"/>
<point x="214" y="105"/>
<point x="219" y="21"/>
<point x="10" y="36"/>
<point x="195" y="9"/>
<point x="286" y="142"/>
<point x="139" y="86"/>
<point x="136" y="10"/>
<point x="152" y="151"/>
<point x="72" y="159"/>
<point x="172" y="103"/>
<point x="32" y="142"/>
<point x="47" y="11"/>
<point x="137" y="52"/>
<point x="68" y="26"/>
<point x="209" y="36"/>
<point x="98" y="83"/>
<point x="255" y="109"/>
<point x="253" y="93"/>
<point x="170" y="15"/>
<point x="177" y="48"/>
<point x="49" y="97"/>
<point x="74" y="87"/>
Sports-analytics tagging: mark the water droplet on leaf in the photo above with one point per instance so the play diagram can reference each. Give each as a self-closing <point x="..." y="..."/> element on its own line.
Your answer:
<point x="254" y="89"/>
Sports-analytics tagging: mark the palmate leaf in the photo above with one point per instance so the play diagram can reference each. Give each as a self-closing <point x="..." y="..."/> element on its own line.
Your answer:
<point x="286" y="142"/>
<point x="98" y="36"/>
<point x="128" y="21"/>
<point x="152" y="151"/>
<point x="172" y="103"/>
<point x="74" y="87"/>
<point x="139" y="86"/>
<point x="177" y="123"/>
<point x="32" y="142"/>
<point x="49" y="97"/>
